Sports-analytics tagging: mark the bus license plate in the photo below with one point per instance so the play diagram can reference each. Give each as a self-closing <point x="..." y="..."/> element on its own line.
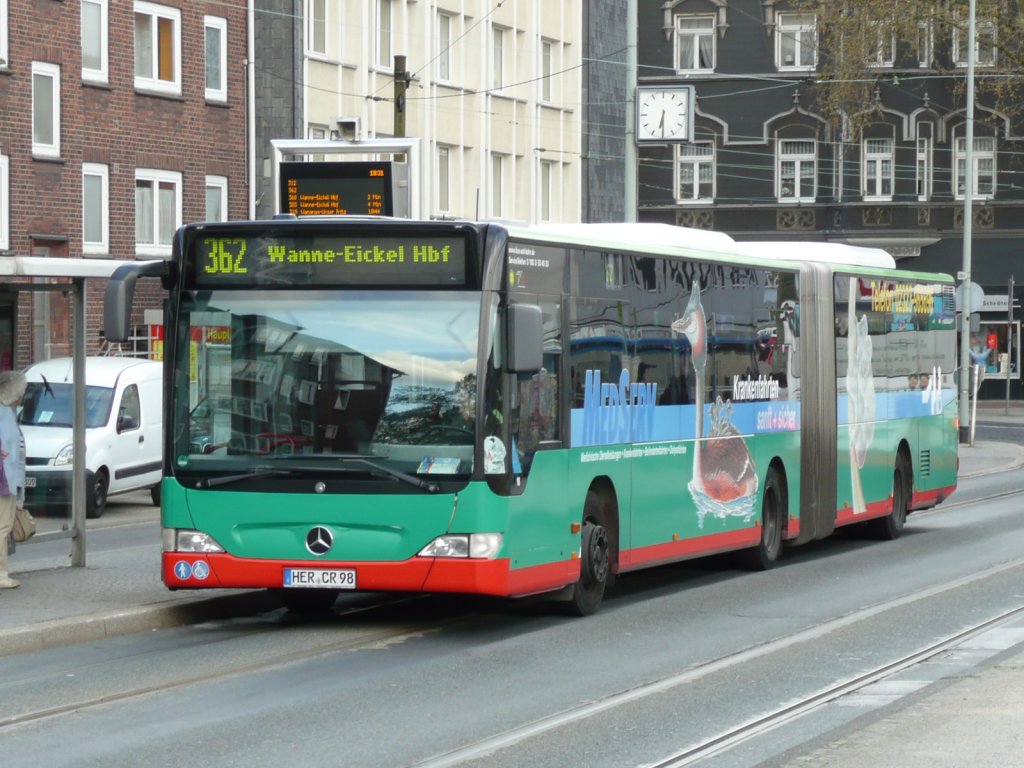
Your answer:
<point x="30" y="482"/>
<point x="320" y="578"/>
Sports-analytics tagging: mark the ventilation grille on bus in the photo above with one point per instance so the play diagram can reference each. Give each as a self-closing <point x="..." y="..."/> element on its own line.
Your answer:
<point x="924" y="464"/>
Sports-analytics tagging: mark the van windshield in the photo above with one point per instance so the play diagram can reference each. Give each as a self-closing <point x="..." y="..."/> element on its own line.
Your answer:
<point x="51" y="405"/>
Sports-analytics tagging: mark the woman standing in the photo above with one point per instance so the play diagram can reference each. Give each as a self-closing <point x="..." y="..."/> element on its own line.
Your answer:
<point x="12" y="463"/>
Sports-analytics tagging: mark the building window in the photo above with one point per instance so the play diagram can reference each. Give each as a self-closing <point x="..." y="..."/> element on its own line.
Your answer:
<point x="5" y="206"/>
<point x="925" y="45"/>
<point x="695" y="43"/>
<point x="157" y="210"/>
<point x="3" y="34"/>
<point x="216" y="58"/>
<point x="497" y="165"/>
<point x="695" y="171"/>
<point x="318" y="132"/>
<point x="216" y="198"/>
<point x="983" y="163"/>
<point x="384" y="34"/>
<point x="546" y="176"/>
<point x="95" y="208"/>
<point x="984" y="45"/>
<point x="45" y="109"/>
<point x="878" y="169"/>
<point x="885" y="45"/>
<point x="924" y="160"/>
<point x="157" y="48"/>
<point x="497" y="58"/>
<point x="94" y="40"/>
<point x="444" y="203"/>
<point x="796" y="171"/>
<point x="546" y="54"/>
<point x="796" y="44"/>
<point x="316" y="27"/>
<point x="444" y="46"/>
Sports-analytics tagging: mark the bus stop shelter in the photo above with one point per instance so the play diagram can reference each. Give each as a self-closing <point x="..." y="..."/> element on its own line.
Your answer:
<point x="67" y="276"/>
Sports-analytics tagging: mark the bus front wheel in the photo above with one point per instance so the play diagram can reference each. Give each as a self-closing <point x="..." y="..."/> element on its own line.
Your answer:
<point x="595" y="564"/>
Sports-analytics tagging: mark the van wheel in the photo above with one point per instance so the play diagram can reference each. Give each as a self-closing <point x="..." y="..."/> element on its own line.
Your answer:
<point x="154" y="494"/>
<point x="96" y="495"/>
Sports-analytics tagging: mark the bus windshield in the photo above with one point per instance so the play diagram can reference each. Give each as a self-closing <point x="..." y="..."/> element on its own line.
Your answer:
<point x="264" y="376"/>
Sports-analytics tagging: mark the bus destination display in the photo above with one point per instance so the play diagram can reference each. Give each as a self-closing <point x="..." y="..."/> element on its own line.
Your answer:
<point x="221" y="259"/>
<point x="336" y="188"/>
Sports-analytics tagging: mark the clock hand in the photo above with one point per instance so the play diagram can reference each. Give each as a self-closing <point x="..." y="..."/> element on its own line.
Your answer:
<point x="661" y="124"/>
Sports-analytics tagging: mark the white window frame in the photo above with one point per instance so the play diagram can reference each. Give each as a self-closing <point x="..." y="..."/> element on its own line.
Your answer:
<point x="925" y="45"/>
<point x="4" y="59"/>
<point x="497" y="187"/>
<point x="445" y="25"/>
<point x="878" y="161"/>
<point x="979" y="157"/>
<point x="156" y="178"/>
<point x="547" y="68"/>
<point x="695" y="163"/>
<point x="885" y="50"/>
<point x="52" y="72"/>
<point x="101" y="246"/>
<point x="316" y="28"/>
<point x="800" y="160"/>
<point x="923" y="160"/>
<point x="793" y="28"/>
<point x="497" y="57"/>
<point x="708" y="31"/>
<point x="220" y="183"/>
<point x="983" y="57"/>
<point x="384" y="18"/>
<point x="220" y="25"/>
<point x="152" y="82"/>
<point x="5" y="203"/>
<point x="101" y="75"/>
<point x="545" y="189"/>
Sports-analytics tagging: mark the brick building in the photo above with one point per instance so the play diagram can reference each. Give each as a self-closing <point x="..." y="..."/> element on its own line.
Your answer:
<point x="119" y="121"/>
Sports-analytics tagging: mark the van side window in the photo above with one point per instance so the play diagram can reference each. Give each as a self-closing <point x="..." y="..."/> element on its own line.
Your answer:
<point x="129" y="414"/>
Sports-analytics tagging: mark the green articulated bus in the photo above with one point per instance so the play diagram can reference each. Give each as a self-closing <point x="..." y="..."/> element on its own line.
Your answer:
<point x="378" y="404"/>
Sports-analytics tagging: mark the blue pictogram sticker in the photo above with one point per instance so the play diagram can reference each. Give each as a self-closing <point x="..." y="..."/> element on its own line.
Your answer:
<point x="200" y="570"/>
<point x="182" y="569"/>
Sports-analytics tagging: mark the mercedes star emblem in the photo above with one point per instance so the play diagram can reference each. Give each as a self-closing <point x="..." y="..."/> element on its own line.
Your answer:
<point x="319" y="540"/>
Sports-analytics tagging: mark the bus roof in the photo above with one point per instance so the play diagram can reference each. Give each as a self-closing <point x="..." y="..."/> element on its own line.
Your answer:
<point x="827" y="253"/>
<point x="631" y="234"/>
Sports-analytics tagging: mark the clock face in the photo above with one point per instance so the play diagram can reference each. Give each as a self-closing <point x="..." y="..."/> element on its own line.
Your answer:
<point x="662" y="114"/>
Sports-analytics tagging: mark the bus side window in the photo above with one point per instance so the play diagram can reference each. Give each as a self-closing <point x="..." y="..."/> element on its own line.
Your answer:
<point x="535" y="412"/>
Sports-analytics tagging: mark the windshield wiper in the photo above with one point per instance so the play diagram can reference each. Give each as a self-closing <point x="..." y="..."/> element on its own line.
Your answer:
<point x="426" y="485"/>
<point x="252" y="474"/>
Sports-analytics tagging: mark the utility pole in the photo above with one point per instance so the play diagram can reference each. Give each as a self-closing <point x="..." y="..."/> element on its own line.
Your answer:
<point x="402" y="79"/>
<point x="965" y="275"/>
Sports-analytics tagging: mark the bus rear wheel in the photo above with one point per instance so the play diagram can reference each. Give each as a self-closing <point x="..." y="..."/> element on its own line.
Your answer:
<point x="773" y="519"/>
<point x="891" y="526"/>
<point x="595" y="561"/>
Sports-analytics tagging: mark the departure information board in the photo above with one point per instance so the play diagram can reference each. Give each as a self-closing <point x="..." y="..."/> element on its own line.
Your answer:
<point x="336" y="188"/>
<point x="249" y="257"/>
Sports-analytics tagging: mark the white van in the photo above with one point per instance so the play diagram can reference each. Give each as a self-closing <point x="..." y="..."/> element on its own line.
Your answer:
<point x="123" y="435"/>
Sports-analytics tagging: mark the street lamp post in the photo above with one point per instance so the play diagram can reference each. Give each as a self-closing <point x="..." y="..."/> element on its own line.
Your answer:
<point x="965" y="275"/>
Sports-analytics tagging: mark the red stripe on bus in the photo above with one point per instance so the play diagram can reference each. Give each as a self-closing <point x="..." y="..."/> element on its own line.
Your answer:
<point x="684" y="549"/>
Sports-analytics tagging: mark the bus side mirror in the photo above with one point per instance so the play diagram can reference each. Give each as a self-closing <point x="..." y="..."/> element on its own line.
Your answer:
<point x="120" y="291"/>
<point x="525" y="338"/>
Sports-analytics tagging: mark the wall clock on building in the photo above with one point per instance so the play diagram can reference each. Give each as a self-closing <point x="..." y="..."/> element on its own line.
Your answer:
<point x="664" y="113"/>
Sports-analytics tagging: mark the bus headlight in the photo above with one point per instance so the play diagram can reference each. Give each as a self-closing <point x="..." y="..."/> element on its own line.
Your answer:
<point x="185" y="540"/>
<point x="478" y="545"/>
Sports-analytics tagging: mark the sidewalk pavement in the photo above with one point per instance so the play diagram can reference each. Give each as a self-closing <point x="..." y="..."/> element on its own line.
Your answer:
<point x="120" y="592"/>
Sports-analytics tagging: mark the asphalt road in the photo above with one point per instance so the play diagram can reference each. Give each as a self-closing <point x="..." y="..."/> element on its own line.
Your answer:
<point x="677" y="656"/>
